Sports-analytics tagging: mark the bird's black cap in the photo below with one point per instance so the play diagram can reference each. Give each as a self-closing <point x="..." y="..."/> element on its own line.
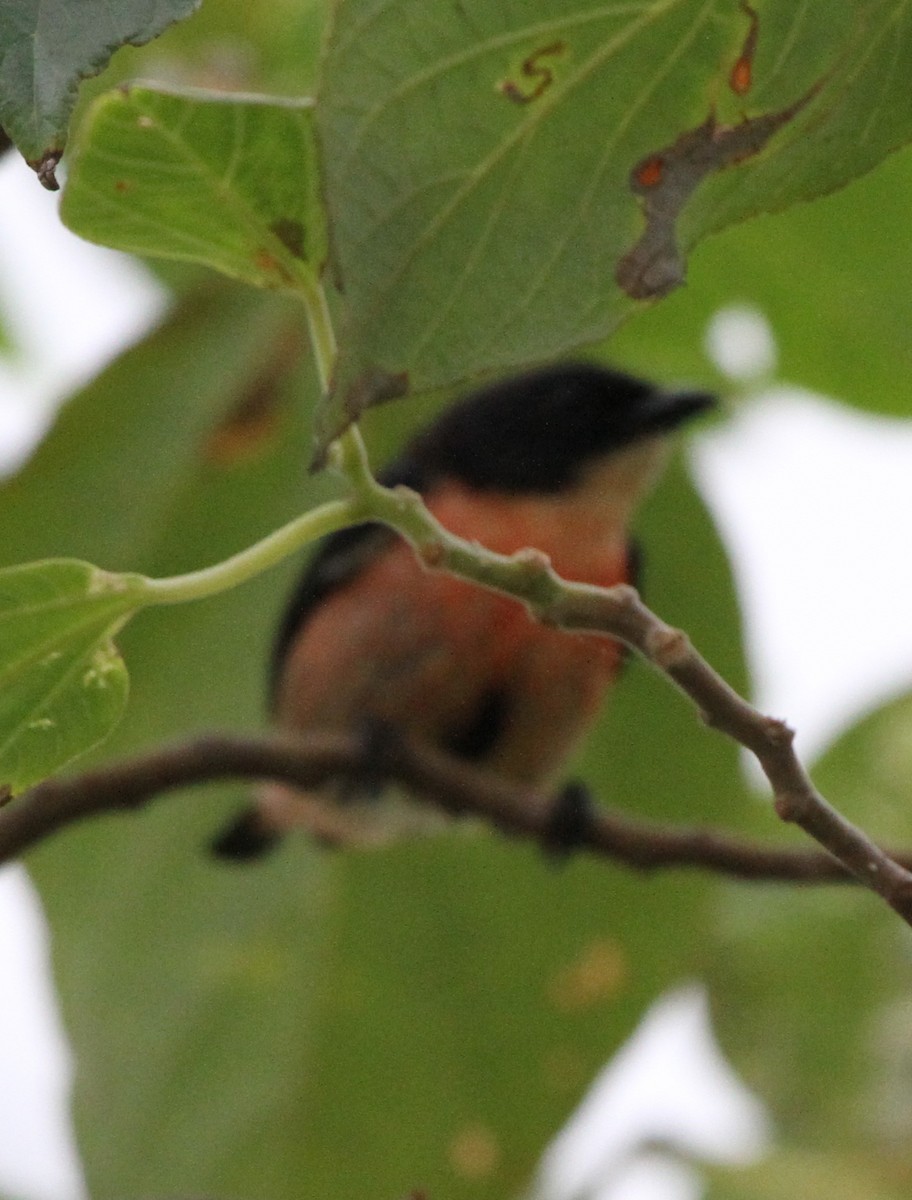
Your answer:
<point x="535" y="432"/>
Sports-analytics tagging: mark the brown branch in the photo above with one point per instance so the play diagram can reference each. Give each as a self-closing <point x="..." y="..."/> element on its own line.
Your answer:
<point x="620" y="612"/>
<point x="310" y="761"/>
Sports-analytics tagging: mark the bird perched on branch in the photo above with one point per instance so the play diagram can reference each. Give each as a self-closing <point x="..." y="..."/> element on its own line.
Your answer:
<point x="556" y="460"/>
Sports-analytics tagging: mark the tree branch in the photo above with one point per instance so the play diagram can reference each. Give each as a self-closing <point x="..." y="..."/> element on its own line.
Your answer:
<point x="309" y="761"/>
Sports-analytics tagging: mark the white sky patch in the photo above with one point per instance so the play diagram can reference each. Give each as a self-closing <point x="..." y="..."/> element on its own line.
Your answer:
<point x="655" y="1176"/>
<point x="740" y="342"/>
<point x="69" y="306"/>
<point x="669" y="1084"/>
<point x="814" y="503"/>
<point x="38" y="1158"/>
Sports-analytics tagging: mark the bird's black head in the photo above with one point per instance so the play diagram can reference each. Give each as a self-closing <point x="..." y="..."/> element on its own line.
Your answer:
<point x="536" y="432"/>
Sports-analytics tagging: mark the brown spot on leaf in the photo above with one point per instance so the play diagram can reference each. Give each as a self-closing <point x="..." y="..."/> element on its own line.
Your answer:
<point x="249" y="429"/>
<point x="122" y="185"/>
<point x="655" y="265"/>
<point x="6" y="794"/>
<point x="264" y="260"/>
<point x="537" y="75"/>
<point x="741" y="75"/>
<point x="291" y="234"/>
<point x="474" y="1152"/>
<point x="649" y="172"/>
<point x="597" y="975"/>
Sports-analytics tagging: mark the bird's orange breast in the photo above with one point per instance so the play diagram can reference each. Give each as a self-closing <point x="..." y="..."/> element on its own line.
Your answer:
<point x="421" y="649"/>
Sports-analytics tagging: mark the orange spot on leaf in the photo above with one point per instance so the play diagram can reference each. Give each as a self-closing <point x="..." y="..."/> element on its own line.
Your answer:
<point x="649" y="172"/>
<point x="598" y="975"/>
<point x="474" y="1152"/>
<point x="740" y="78"/>
<point x="265" y="261"/>
<point x="741" y="75"/>
<point x="250" y="428"/>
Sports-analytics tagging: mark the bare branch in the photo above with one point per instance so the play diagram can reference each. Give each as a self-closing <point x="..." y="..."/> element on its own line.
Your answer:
<point x="309" y="761"/>
<point x="771" y="741"/>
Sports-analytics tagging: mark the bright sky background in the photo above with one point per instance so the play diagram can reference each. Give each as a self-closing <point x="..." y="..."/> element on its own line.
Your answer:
<point x="800" y="488"/>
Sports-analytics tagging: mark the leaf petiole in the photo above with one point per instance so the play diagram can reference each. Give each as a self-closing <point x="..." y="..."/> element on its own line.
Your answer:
<point x="197" y="585"/>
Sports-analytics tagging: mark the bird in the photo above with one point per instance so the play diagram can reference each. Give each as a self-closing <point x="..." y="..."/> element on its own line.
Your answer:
<point x="556" y="459"/>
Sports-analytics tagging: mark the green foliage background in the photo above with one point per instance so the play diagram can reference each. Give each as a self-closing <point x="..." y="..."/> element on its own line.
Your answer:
<point x="337" y="1025"/>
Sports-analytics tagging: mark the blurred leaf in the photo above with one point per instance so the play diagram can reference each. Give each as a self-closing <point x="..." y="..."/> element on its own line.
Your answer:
<point x="236" y="46"/>
<point x="228" y="181"/>
<point x="101" y="486"/>
<point x="105" y="481"/>
<point x="586" y="150"/>
<point x="202" y="383"/>
<point x="796" y="981"/>
<point x="48" y="46"/>
<point x="811" y="986"/>
<point x="868" y="772"/>
<point x="63" y="686"/>
<point x="793" y="1172"/>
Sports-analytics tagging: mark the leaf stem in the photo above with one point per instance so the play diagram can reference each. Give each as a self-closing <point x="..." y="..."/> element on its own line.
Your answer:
<point x="197" y="585"/>
<point x="322" y="334"/>
<point x="310" y="526"/>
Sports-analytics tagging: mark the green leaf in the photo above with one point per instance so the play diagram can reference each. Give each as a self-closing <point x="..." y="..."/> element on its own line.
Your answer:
<point x="812" y="1176"/>
<point x="799" y="980"/>
<point x="228" y="181"/>
<point x="505" y="185"/>
<point x="811" y="985"/>
<point x="868" y="772"/>
<point x="105" y="482"/>
<point x="63" y="685"/>
<point x="48" y="46"/>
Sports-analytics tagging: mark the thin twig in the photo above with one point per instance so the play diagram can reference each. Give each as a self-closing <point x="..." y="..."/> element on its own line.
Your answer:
<point x="770" y="740"/>
<point x="310" y="761"/>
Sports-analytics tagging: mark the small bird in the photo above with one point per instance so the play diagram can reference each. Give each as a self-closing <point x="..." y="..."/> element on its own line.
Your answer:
<point x="557" y="460"/>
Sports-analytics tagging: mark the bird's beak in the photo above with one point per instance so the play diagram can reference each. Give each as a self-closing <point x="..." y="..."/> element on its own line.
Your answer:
<point x="667" y="410"/>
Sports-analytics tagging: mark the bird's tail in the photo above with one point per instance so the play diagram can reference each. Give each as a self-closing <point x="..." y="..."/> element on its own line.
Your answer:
<point x="245" y="839"/>
<point x="361" y="824"/>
